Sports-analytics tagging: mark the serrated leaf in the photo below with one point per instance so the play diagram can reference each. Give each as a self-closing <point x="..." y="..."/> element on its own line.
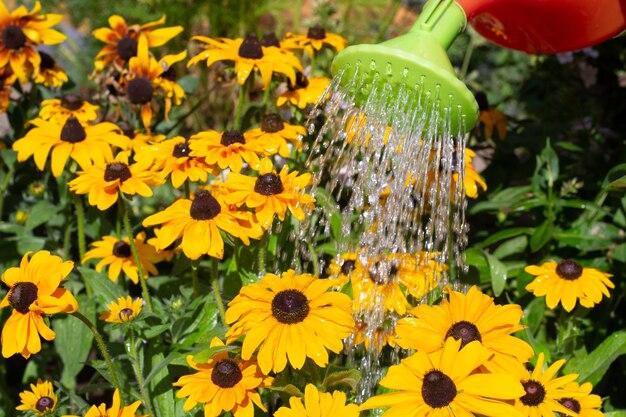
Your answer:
<point x="498" y="273"/>
<point x="542" y="235"/>
<point x="593" y="366"/>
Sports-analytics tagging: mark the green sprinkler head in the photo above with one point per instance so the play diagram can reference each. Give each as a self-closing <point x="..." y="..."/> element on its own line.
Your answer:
<point x="417" y="60"/>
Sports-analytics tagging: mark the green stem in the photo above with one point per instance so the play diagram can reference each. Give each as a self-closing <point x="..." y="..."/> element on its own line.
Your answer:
<point x="239" y="108"/>
<point x="266" y="99"/>
<point x="467" y="58"/>
<point x="262" y="252"/>
<point x="216" y="290"/>
<point x="194" y="278"/>
<point x="133" y="248"/>
<point x="296" y="17"/>
<point x="187" y="189"/>
<point x="5" y="185"/>
<point x="101" y="346"/>
<point x="131" y="348"/>
<point x="80" y="220"/>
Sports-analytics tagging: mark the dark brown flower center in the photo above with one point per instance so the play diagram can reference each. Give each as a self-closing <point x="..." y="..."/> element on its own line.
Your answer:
<point x="231" y="137"/>
<point x="13" y="37"/>
<point x="117" y="171"/>
<point x="570" y="404"/>
<point x="270" y="39"/>
<point x="272" y="123"/>
<point x="569" y="270"/>
<point x="301" y="82"/>
<point x="72" y="131"/>
<point x="316" y="32"/>
<point x="169" y="74"/>
<point x="535" y="393"/>
<point x="465" y="331"/>
<point x="204" y="206"/>
<point x="126" y="313"/>
<point x="268" y="184"/>
<point x="348" y="266"/>
<point x="121" y="249"/>
<point x="47" y="62"/>
<point x="127" y="48"/>
<point x="438" y="389"/>
<point x="22" y="295"/>
<point x="140" y="90"/>
<point x="226" y="374"/>
<point x="72" y="102"/>
<point x="251" y="47"/>
<point x="181" y="150"/>
<point x="44" y="403"/>
<point x="290" y="306"/>
<point x="377" y="274"/>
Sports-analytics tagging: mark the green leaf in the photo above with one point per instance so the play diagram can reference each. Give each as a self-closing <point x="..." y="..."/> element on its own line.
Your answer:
<point x="505" y="234"/>
<point x="29" y="243"/>
<point x="593" y="366"/>
<point x="619" y="253"/>
<point x="101" y="285"/>
<point x="9" y="156"/>
<point x="476" y="258"/>
<point x="620" y="182"/>
<point x="497" y="270"/>
<point x="162" y="395"/>
<point x="40" y="213"/>
<point x="568" y="146"/>
<point x="534" y="314"/>
<point x="617" y="413"/>
<point x="511" y="247"/>
<point x="542" y="235"/>
<point x="288" y="389"/>
<point x="350" y="377"/>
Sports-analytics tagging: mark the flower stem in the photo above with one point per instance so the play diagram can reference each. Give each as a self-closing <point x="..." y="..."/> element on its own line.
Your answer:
<point x="194" y="278"/>
<point x="131" y="349"/>
<point x="262" y="252"/>
<point x="239" y="108"/>
<point x="101" y="346"/>
<point x="133" y="248"/>
<point x="187" y="189"/>
<point x="8" y="176"/>
<point x="216" y="290"/>
<point x="80" y="220"/>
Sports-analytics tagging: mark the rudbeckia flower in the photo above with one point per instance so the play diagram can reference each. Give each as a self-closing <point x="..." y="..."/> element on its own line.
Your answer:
<point x="585" y="405"/>
<point x="104" y="181"/>
<point x="371" y="336"/>
<point x="59" y="110"/>
<point x="303" y="91"/>
<point x="49" y="73"/>
<point x="122" y="311"/>
<point x="543" y="392"/>
<point x="315" y="38"/>
<point x="567" y="282"/>
<point x="342" y="267"/>
<point x="223" y="384"/>
<point x="291" y="317"/>
<point x="270" y="193"/>
<point x="140" y="140"/>
<point x="471" y="179"/>
<point x="122" y="39"/>
<point x="274" y="134"/>
<point x="226" y="150"/>
<point x="117" y="255"/>
<point x="116" y="410"/>
<point x="34" y="290"/>
<point x="444" y="384"/>
<point x="41" y="399"/>
<point x="318" y="404"/>
<point x="490" y="117"/>
<point x="21" y="31"/>
<point x="199" y="222"/>
<point x="471" y="317"/>
<point x="248" y="54"/>
<point x="7" y="79"/>
<point x="166" y="81"/>
<point x="85" y="144"/>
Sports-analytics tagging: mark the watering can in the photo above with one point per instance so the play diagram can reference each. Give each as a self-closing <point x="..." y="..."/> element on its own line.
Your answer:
<point x="418" y="59"/>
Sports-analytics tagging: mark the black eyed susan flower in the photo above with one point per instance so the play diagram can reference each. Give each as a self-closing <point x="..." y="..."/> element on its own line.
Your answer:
<point x="166" y="81"/>
<point x="291" y="317"/>
<point x="116" y="254"/>
<point x="226" y="150"/>
<point x="341" y="268"/>
<point x="223" y="384"/>
<point x="122" y="311"/>
<point x="41" y="399"/>
<point x="104" y="181"/>
<point x="471" y="317"/>
<point x="34" y="290"/>
<point x="122" y="39"/>
<point x="21" y="31"/>
<point x="141" y="140"/>
<point x="116" y="410"/>
<point x="58" y="110"/>
<point x="248" y="54"/>
<point x="172" y="157"/>
<point x="373" y="337"/>
<point x="303" y="91"/>
<point x="567" y="282"/>
<point x="274" y="135"/>
<point x="543" y="392"/>
<point x="314" y="40"/>
<point x="199" y="221"/>
<point x="7" y="79"/>
<point x="49" y="73"/>
<point x="443" y="384"/>
<point x="318" y="404"/>
<point x="490" y="117"/>
<point x="271" y="193"/>
<point x="471" y="179"/>
<point x="585" y="405"/>
<point x="85" y="144"/>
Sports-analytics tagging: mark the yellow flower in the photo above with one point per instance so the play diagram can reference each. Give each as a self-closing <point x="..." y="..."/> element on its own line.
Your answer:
<point x="140" y="140"/>
<point x="172" y="157"/>
<point x="318" y="404"/>
<point x="103" y="182"/>
<point x="443" y="384"/>
<point x="59" y="110"/>
<point x="248" y="54"/>
<point x="7" y="79"/>
<point x="359" y="133"/>
<point x="471" y="179"/>
<point x="223" y="384"/>
<point x="274" y="134"/>
<point x="270" y="193"/>
<point x="166" y="81"/>
<point x="21" y="32"/>
<point x="303" y="91"/>
<point x="567" y="282"/>
<point x="199" y="222"/>
<point x="122" y="39"/>
<point x="586" y="405"/>
<point x="122" y="311"/>
<point x="491" y="118"/>
<point x="21" y="216"/>
<point x="41" y="399"/>
<point x="543" y="392"/>
<point x="373" y="337"/>
<point x="468" y="318"/>
<point x="343" y="267"/>
<point x="291" y="318"/>
<point x="49" y="73"/>
<point x="226" y="150"/>
<point x="315" y="38"/>
<point x="167" y="253"/>
<point x="117" y="255"/>
<point x="116" y="409"/>
<point x="34" y="290"/>
<point x="85" y="144"/>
